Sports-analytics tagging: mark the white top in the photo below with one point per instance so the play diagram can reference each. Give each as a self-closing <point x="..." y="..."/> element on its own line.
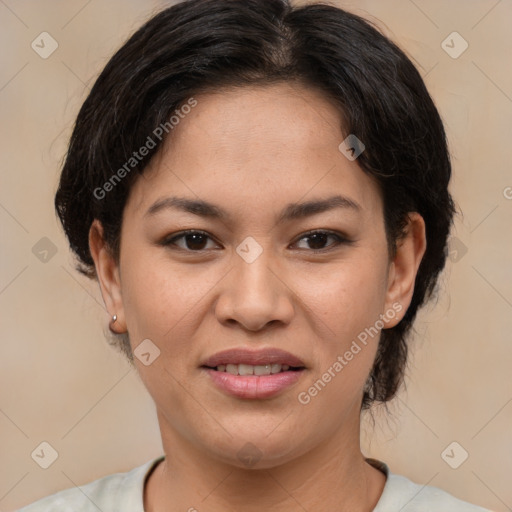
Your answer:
<point x="123" y="492"/>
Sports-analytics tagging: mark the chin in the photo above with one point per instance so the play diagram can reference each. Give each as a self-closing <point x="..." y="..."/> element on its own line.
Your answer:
<point x="257" y="450"/>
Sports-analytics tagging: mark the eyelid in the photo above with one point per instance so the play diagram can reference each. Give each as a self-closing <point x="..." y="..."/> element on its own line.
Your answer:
<point x="169" y="239"/>
<point x="340" y="239"/>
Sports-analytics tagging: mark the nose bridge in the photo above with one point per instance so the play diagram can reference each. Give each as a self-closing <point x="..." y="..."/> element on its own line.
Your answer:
<point x="253" y="270"/>
<point x="254" y="278"/>
<point x="254" y="295"/>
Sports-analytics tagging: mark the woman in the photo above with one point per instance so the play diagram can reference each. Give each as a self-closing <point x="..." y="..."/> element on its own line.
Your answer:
<point x="261" y="192"/>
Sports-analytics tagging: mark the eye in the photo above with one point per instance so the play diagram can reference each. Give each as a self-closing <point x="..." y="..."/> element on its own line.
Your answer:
<point x="318" y="239"/>
<point x="197" y="241"/>
<point x="192" y="241"/>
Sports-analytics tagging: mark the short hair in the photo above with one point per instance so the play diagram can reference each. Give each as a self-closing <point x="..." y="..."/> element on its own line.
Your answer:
<point x="204" y="45"/>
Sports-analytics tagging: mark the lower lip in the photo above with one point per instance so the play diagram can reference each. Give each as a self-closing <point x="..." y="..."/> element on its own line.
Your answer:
<point x="254" y="386"/>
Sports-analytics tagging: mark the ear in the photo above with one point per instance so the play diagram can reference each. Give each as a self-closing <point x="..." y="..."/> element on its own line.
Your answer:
<point x="107" y="271"/>
<point x="403" y="269"/>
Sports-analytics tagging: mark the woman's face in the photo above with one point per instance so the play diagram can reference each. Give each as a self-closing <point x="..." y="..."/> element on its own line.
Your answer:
<point x="253" y="278"/>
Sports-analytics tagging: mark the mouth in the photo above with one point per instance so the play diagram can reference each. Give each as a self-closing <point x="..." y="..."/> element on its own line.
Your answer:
<point x="258" y="370"/>
<point x="253" y="374"/>
<point x="251" y="362"/>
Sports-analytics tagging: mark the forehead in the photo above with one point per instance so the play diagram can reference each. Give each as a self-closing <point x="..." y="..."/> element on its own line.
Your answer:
<point x="263" y="119"/>
<point x="280" y="141"/>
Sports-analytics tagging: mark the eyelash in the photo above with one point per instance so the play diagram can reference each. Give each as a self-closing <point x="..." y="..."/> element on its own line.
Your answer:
<point x="340" y="239"/>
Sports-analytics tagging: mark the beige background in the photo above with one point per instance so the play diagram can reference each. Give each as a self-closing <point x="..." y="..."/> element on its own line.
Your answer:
<point x="61" y="383"/>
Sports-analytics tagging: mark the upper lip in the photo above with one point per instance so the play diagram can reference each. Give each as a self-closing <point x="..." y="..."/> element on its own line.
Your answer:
<point x="253" y="357"/>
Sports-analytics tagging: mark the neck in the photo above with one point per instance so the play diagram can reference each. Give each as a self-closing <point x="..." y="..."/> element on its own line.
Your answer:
<point x="332" y="475"/>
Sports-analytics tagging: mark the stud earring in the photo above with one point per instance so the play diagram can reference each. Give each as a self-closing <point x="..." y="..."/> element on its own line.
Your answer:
<point x="112" y="322"/>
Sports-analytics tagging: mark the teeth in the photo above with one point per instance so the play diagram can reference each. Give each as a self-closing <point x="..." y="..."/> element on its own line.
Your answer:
<point x="245" y="369"/>
<point x="263" y="370"/>
<point x="276" y="368"/>
<point x="232" y="368"/>
<point x="249" y="369"/>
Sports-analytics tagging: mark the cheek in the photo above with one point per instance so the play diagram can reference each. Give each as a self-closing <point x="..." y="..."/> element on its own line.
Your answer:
<point x="348" y="306"/>
<point x="162" y="299"/>
<point x="161" y="304"/>
<point x="346" y="298"/>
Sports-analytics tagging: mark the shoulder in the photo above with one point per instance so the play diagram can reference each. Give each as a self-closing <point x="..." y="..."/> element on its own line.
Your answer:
<point x="402" y="494"/>
<point x="119" y="491"/>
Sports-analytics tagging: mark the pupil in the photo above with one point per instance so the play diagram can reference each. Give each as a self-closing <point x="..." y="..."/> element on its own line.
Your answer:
<point x="317" y="240"/>
<point x="198" y="241"/>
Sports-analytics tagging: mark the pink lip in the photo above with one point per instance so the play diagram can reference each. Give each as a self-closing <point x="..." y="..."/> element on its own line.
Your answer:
<point x="254" y="386"/>
<point x="254" y="357"/>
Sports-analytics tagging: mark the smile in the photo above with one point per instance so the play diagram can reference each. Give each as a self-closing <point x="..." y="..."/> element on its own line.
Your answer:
<point x="249" y="369"/>
<point x="244" y="381"/>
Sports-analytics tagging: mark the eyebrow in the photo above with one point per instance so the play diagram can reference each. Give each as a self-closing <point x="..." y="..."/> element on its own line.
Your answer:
<point x="291" y="211"/>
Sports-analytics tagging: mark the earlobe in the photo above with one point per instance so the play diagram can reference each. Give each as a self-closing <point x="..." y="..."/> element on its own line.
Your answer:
<point x="107" y="271"/>
<point x="404" y="268"/>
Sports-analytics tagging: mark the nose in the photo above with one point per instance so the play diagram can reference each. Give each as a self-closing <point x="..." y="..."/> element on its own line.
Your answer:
<point x="253" y="295"/>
